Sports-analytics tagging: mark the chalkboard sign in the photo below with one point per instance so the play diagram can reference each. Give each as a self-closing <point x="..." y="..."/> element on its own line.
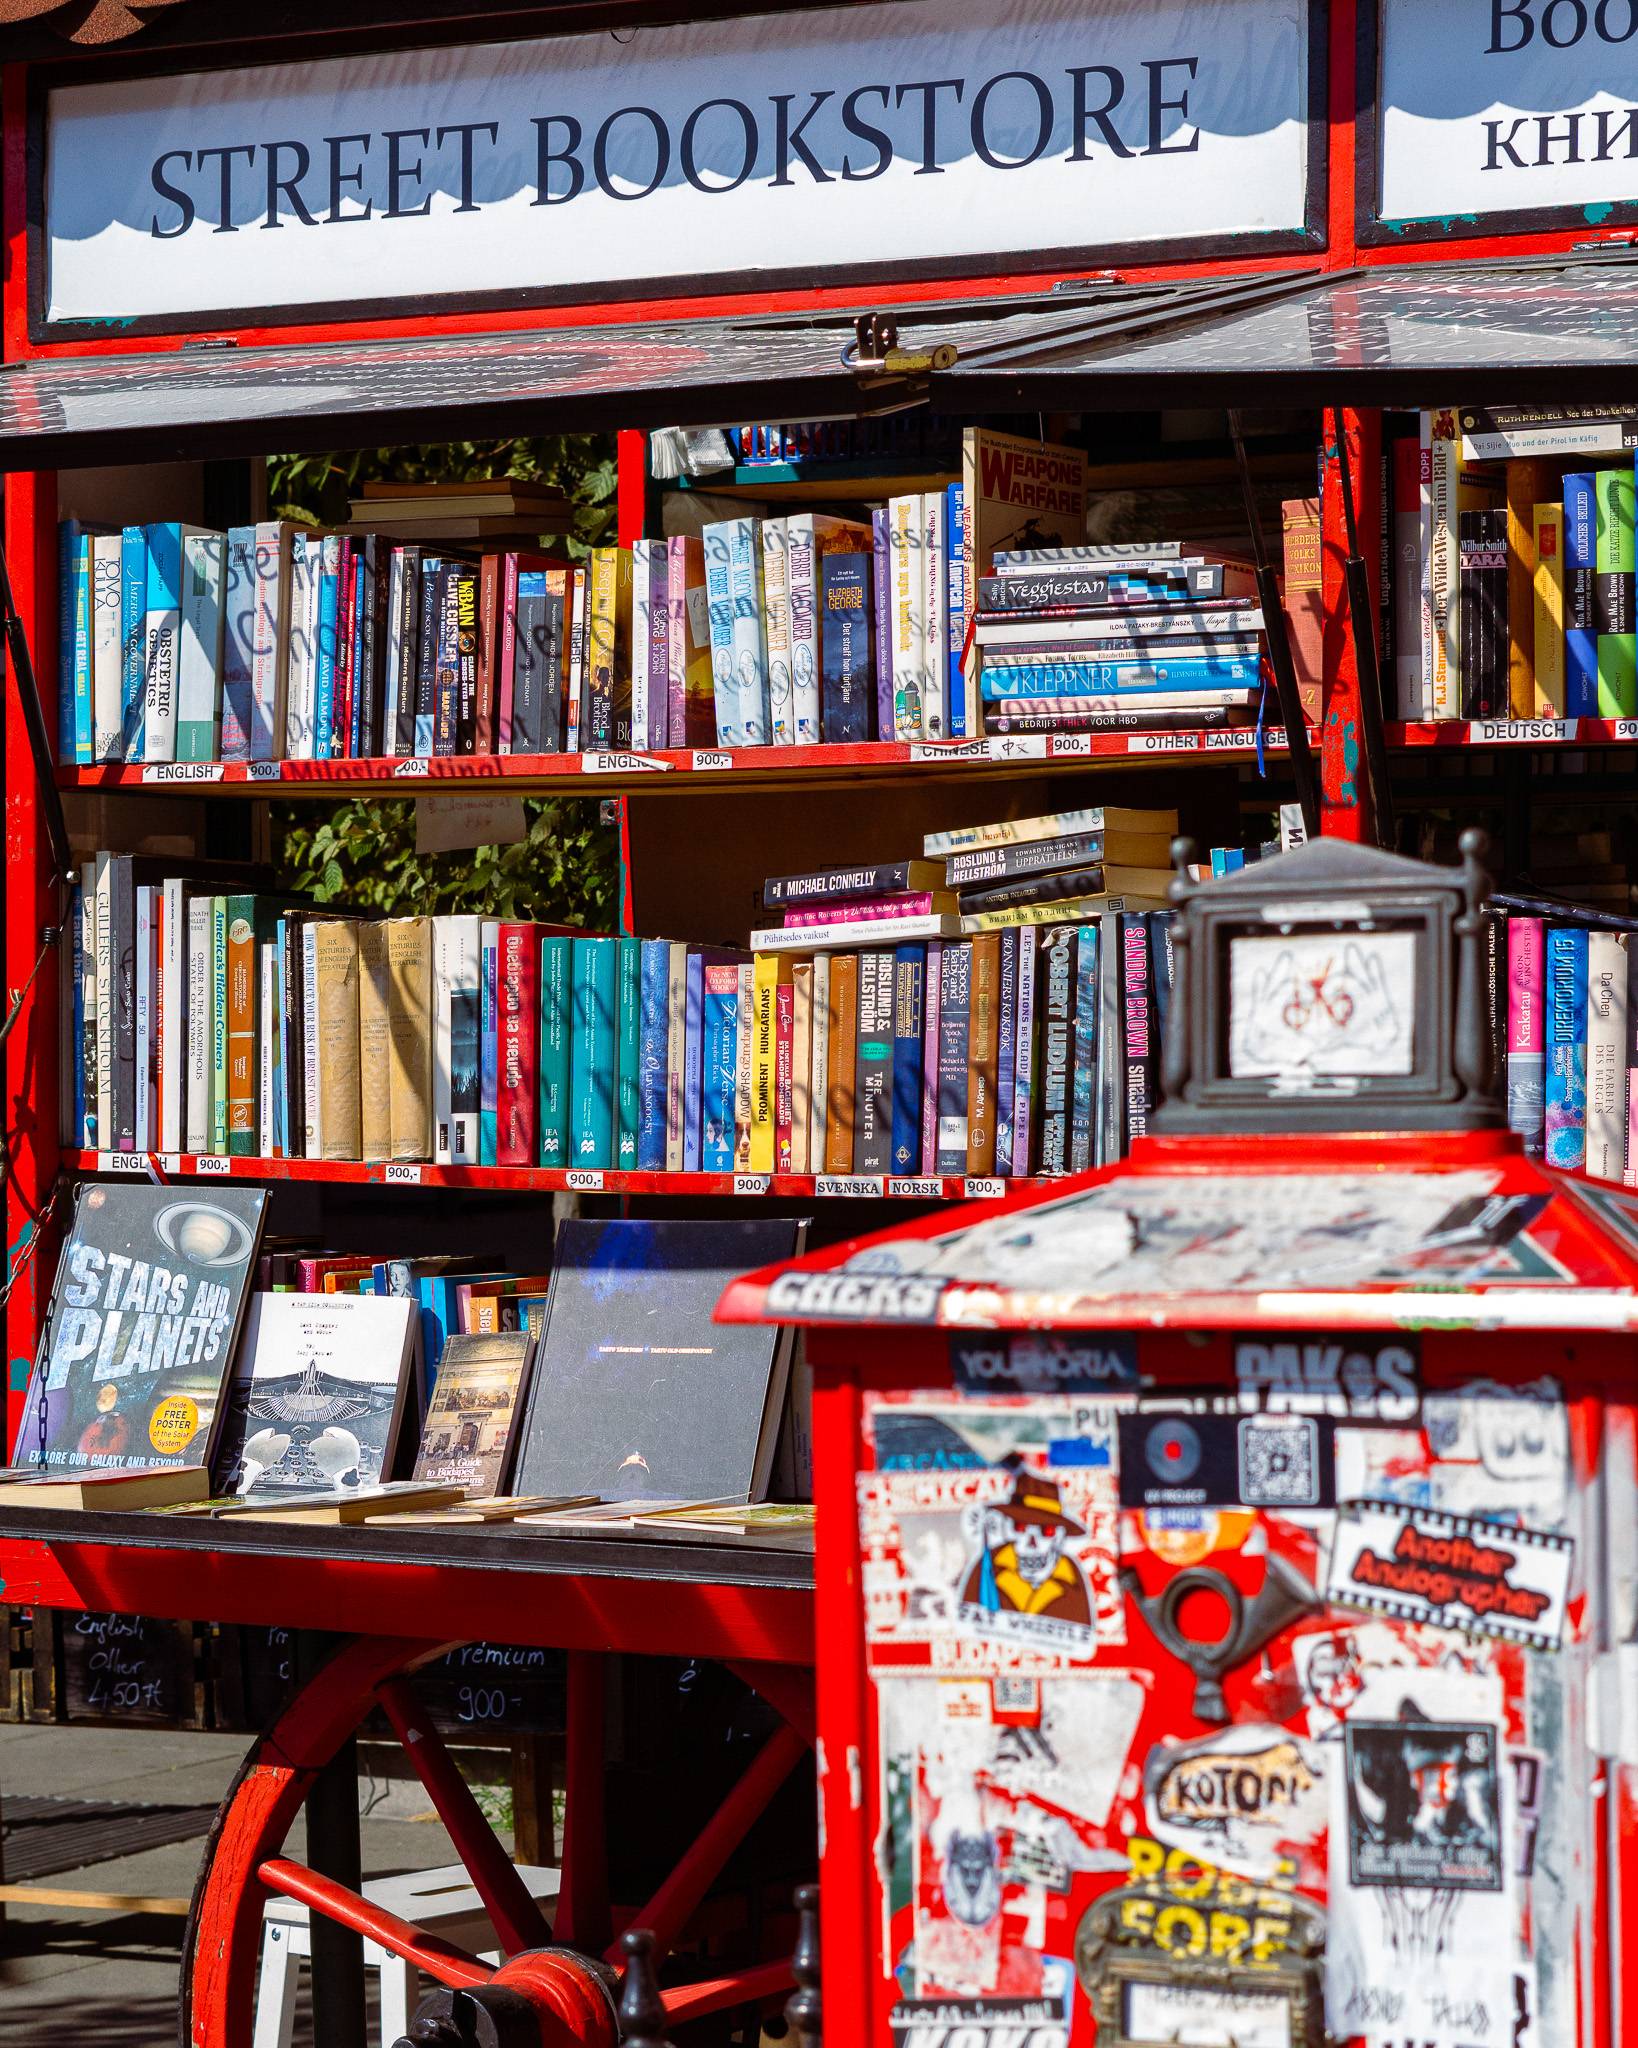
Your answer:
<point x="255" y="1674"/>
<point x="126" y="1667"/>
<point x="495" y="1689"/>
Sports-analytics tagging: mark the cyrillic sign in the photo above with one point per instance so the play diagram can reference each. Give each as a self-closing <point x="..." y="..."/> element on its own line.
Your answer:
<point x="948" y="131"/>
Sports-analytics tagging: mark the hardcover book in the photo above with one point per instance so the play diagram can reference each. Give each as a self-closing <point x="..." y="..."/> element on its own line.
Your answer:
<point x="1526" y="1058"/>
<point x="1606" y="1055"/>
<point x="470" y="1437"/>
<point x="1565" y="1011"/>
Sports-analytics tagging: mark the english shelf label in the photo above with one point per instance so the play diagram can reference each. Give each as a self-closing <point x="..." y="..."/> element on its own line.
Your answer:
<point x="622" y="764"/>
<point x="182" y="771"/>
<point x="121" y="1162"/>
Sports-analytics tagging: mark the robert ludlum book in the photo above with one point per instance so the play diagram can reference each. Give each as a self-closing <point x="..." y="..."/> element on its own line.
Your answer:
<point x="318" y="1397"/>
<point x="469" y="1438"/>
<point x="145" y="1314"/>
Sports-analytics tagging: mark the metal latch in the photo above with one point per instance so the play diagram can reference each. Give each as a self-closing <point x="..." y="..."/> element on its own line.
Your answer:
<point x="875" y="349"/>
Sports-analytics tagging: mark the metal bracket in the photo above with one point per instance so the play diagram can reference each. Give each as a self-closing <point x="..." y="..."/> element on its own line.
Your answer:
<point x="875" y="348"/>
<point x="39" y="740"/>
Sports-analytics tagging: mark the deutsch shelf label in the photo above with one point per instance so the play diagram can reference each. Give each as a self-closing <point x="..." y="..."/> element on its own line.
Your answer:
<point x="912" y="1189"/>
<point x="413" y="764"/>
<point x="212" y="1162"/>
<point x="182" y="771"/>
<point x="585" y="1179"/>
<point x="752" y="1183"/>
<point x="983" y="1188"/>
<point x="263" y="771"/>
<point x="856" y="1185"/>
<point x="704" y="760"/>
<point x="622" y="764"/>
<point x="1501" y="732"/>
<point x="121" y="1162"/>
<point x="401" y="1174"/>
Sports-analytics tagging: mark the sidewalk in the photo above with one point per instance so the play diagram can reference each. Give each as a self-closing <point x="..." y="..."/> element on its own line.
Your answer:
<point x="109" y="1980"/>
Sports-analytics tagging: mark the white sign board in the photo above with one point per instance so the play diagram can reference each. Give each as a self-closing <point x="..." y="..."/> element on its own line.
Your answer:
<point x="1507" y="107"/>
<point x="939" y="132"/>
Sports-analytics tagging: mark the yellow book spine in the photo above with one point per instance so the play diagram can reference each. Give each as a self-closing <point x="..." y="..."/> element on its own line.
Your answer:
<point x="1549" y="611"/>
<point x="771" y="970"/>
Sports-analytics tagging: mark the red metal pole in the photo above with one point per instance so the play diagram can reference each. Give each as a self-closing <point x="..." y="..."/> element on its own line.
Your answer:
<point x="440" y="1959"/>
<point x="1344" y="783"/>
<point x="583" y="1920"/>
<point x="33" y="902"/>
<point x="513" y="1914"/>
<point x="689" y="2001"/>
<point x="631" y="470"/>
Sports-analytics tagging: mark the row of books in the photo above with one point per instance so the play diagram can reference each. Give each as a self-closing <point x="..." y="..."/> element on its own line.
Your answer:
<point x="1571" y="1055"/>
<point x="1090" y="639"/>
<point x="322" y="1400"/>
<point x="1513" y="562"/>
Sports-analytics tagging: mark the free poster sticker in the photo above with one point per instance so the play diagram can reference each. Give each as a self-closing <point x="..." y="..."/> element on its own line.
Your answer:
<point x="1452" y="1571"/>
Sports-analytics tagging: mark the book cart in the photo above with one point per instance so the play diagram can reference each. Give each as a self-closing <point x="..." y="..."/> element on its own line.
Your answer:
<point x="1335" y="257"/>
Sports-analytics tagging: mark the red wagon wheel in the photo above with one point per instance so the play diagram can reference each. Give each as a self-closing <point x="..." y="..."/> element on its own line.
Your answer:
<point x="561" y="1974"/>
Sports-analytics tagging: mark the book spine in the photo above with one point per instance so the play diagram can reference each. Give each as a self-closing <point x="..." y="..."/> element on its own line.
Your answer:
<point x="122" y="966"/>
<point x="220" y="1112"/>
<point x="1056" y="999"/>
<point x="771" y="973"/>
<point x="932" y="997"/>
<point x="96" y="1130"/>
<point x="442" y="981"/>
<point x="845" y="650"/>
<point x="238" y="642"/>
<point x="465" y="1048"/>
<point x="909" y="597"/>
<point x="1547" y="598"/>
<point x="1086" y="1050"/>
<point x="197" y="1054"/>
<point x="642" y="624"/>
<point x="651" y="1056"/>
<point x="693" y="1060"/>
<point x="162" y="627"/>
<point x="1444" y="577"/>
<point x="593" y="1052"/>
<point x="133" y="638"/>
<point x="335" y="961"/>
<point x="486" y="721"/>
<point x="954" y="1021"/>
<point x="107" y="669"/>
<point x="1109" y="1087"/>
<point x="721" y="1033"/>
<point x="525" y="727"/>
<point x="1580" y="570"/>
<point x="873" y="1065"/>
<point x="776" y="623"/>
<point x="909" y="984"/>
<point x="603" y="648"/>
<point x="556" y="1024"/>
<point x="802" y="565"/>
<point x="295" y="1029"/>
<point x="742" y="1068"/>
<point x="376" y="735"/>
<point x="428" y="652"/>
<point x="1629" y="1171"/>
<point x="241" y="1026"/>
<point x="1613" y="614"/>
<point x="1137" y="1012"/>
<point x="676" y="1052"/>
<point x="801" y="1065"/>
<point x="374" y="1042"/>
<point x="414" y="600"/>
<point x="840" y="1074"/>
<point x="677" y="641"/>
<point x="1405" y="539"/>
<point x="882" y="566"/>
<point x="935" y="570"/>
<point x="466" y="660"/>
<point x="143" y="1140"/>
<point x="84" y="681"/>
<point x="628" y="1078"/>
<point x="489" y="1043"/>
<point x="344" y="718"/>
<point x="955" y="599"/>
<point x="518" y="1002"/>
<point x="1606" y="1055"/>
<point x="325" y="646"/>
<point x="67" y="538"/>
<point x="1007" y="1016"/>
<point x="750" y="639"/>
<point x="784" y="1078"/>
<point x="74" y="1074"/>
<point x="507" y="656"/>
<point x="905" y="905"/>
<point x="574" y="714"/>
<point x="983" y="1055"/>
<point x="446" y="689"/>
<point x="659" y="649"/>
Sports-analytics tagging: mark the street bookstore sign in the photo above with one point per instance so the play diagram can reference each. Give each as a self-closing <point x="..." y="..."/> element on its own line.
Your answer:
<point x="1492" y="109"/>
<point x="954" y="132"/>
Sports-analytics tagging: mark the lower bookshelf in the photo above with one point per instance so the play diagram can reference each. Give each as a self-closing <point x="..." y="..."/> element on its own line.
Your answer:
<point x="168" y="1166"/>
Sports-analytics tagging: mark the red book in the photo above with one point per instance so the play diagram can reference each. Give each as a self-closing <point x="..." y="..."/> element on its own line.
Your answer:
<point x="784" y="1030"/>
<point x="310" y="1272"/>
<point x="517" y="1008"/>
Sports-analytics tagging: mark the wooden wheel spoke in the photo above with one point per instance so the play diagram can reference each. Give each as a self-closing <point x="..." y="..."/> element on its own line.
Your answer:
<point x="451" y="1966"/>
<point x="513" y="1913"/>
<point x="717" y="1994"/>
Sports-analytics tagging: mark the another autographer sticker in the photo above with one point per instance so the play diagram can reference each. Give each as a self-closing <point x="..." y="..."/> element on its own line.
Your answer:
<point x="1454" y="1571"/>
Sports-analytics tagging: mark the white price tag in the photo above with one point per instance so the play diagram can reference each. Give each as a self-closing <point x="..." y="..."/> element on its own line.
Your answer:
<point x="752" y="1183"/>
<point x="1528" y="732"/>
<point x="1163" y="743"/>
<point x="121" y="1162"/>
<point x="704" y="760"/>
<point x="412" y="764"/>
<point x="983" y="1188"/>
<point x="1624" y="728"/>
<point x="584" y="1180"/>
<point x="399" y="1173"/>
<point x="929" y="1190"/>
<point x="182" y="771"/>
<point x="854" y="1186"/>
<point x="622" y="764"/>
<point x="950" y="750"/>
<point x="263" y="771"/>
<point x="212" y="1162"/>
<point x="1062" y="743"/>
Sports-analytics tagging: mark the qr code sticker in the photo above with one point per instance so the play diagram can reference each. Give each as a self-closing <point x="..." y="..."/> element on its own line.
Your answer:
<point x="1279" y="1461"/>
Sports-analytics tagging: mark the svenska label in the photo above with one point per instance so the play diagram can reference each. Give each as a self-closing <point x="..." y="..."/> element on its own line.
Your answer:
<point x="858" y="1186"/>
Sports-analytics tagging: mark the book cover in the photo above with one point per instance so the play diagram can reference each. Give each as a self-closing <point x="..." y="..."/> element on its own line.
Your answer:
<point x="162" y="628"/>
<point x="488" y="1041"/>
<point x="318" y="1395"/>
<point x="771" y="972"/>
<point x="954" y="1022"/>
<point x="749" y="637"/>
<point x="470" y="1435"/>
<point x="692" y="708"/>
<point x="848" y="683"/>
<point x="1056" y="1003"/>
<point x="556" y="1030"/>
<point x="1547" y="600"/>
<point x="842" y="1039"/>
<point x="1021" y="494"/>
<point x="1138" y="1025"/>
<point x="593" y="1051"/>
<point x="873" y="1064"/>
<point x="1007" y="1012"/>
<point x="409" y="1025"/>
<point x="932" y="989"/>
<point x="1580" y="619"/>
<point x="1081" y="1104"/>
<point x="882" y="617"/>
<point x="776" y="630"/>
<point x="1614" y="619"/>
<point x="636" y="1391"/>
<point x="983" y="1055"/>
<point x="1565" y="1035"/>
<point x="718" y="557"/>
<point x="141" y="1328"/>
<point x="652" y="1055"/>
<point x="908" y="596"/>
<point x="1606" y="1055"/>
<point x="629" y="1016"/>
<point x="909" y="1023"/>
<point x="517" y="1002"/>
<point x="720" y="983"/>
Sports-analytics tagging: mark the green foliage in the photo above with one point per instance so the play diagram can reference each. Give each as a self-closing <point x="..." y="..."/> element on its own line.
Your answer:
<point x="316" y="489"/>
<point x="363" y="854"/>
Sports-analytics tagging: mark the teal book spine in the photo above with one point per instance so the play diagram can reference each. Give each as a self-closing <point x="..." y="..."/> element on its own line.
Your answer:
<point x="631" y="1034"/>
<point x="68" y="533"/>
<point x="593" y="1051"/>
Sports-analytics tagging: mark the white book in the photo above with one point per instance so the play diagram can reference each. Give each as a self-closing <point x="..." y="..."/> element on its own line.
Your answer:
<point x="802" y="576"/>
<point x="395" y="650"/>
<point x="1606" y="1055"/>
<point x="270" y="646"/>
<point x="457" y="961"/>
<point x="776" y="631"/>
<point x="87" y="1049"/>
<point x="199" y="652"/>
<point x="198" y="1014"/>
<point x="266" y="1026"/>
<point x="144" y="1012"/>
<point x="843" y="936"/>
<point x="105" y="1001"/>
<point x="173" y="1021"/>
<point x="907" y="596"/>
<point x="963" y="577"/>
<point x="935" y="673"/>
<point x="576" y="681"/>
<point x="440" y="1040"/>
<point x="748" y="640"/>
<point x="311" y="1092"/>
<point x="642" y="604"/>
<point x="305" y="552"/>
<point x="107" y="647"/>
<point x="819" y="1102"/>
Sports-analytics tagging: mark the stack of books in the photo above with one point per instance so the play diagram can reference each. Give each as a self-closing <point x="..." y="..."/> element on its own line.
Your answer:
<point x="1100" y="639"/>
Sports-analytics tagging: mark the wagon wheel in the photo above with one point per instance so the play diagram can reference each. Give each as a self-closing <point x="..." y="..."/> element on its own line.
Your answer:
<point x="560" y="1974"/>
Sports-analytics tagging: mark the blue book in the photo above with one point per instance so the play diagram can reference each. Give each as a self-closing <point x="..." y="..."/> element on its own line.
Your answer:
<point x="719" y="1030"/>
<point x="719" y="603"/>
<point x="628" y="1108"/>
<point x="1565" y="1024"/>
<point x="651" y="1056"/>
<point x="1229" y="673"/>
<point x="488" y="1045"/>
<point x="1086" y="1048"/>
<point x="76" y="917"/>
<point x="84" y="739"/>
<point x="693" y="1057"/>
<point x="909" y="1012"/>
<point x="68" y="539"/>
<point x="133" y="634"/>
<point x="1580" y="585"/>
<point x="954" y="1021"/>
<point x="1234" y="859"/>
<point x="324" y="671"/>
<point x="593" y="1051"/>
<point x="556" y="962"/>
<point x="847" y="669"/>
<point x="1006" y="1062"/>
<point x="884" y="618"/>
<point x="955" y="503"/>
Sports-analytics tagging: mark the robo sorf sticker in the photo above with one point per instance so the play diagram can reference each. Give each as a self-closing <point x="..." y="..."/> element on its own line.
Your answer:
<point x="1249" y="1799"/>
